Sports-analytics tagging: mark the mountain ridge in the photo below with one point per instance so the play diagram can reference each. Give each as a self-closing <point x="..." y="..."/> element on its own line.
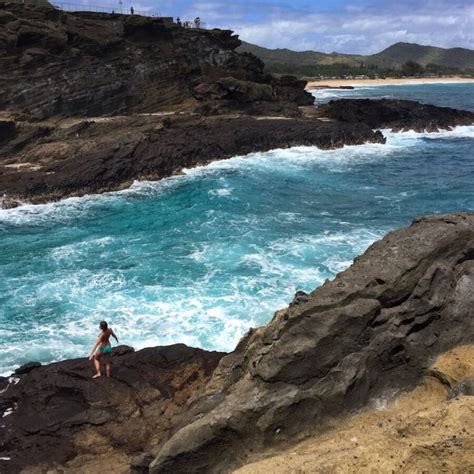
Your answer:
<point x="392" y="57"/>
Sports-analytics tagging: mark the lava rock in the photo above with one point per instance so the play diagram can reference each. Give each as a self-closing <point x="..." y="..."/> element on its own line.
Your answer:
<point x="124" y="414"/>
<point x="93" y="64"/>
<point x="398" y="115"/>
<point x="26" y="368"/>
<point x="110" y="154"/>
<point x="7" y="130"/>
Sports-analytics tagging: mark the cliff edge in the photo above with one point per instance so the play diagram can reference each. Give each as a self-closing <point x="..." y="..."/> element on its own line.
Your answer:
<point x="57" y="64"/>
<point x="374" y="329"/>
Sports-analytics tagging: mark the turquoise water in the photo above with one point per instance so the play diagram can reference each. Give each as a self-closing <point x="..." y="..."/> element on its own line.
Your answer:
<point x="202" y="257"/>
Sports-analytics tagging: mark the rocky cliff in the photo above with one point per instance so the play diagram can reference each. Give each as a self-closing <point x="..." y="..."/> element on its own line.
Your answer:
<point x="429" y="429"/>
<point x="54" y="63"/>
<point x="90" y="102"/>
<point x="372" y="331"/>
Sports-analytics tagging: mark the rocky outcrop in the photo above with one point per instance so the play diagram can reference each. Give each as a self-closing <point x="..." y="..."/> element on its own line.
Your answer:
<point x="46" y="162"/>
<point x="230" y="94"/>
<point x="56" y="415"/>
<point x="371" y="330"/>
<point x="424" y="430"/>
<point x="398" y="115"/>
<point x="54" y="63"/>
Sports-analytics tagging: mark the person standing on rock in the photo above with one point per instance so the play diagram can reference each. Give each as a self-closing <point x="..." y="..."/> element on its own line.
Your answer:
<point x="102" y="349"/>
<point x="132" y="11"/>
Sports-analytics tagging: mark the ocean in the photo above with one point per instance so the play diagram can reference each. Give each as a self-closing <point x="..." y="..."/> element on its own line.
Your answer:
<point x="202" y="257"/>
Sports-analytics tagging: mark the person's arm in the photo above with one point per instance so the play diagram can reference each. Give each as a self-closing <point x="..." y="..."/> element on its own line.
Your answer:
<point x="113" y="335"/>
<point x="96" y="345"/>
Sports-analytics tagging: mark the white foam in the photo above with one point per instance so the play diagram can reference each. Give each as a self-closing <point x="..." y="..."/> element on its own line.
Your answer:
<point x="7" y="412"/>
<point x="461" y="131"/>
<point x="200" y="309"/>
<point x="73" y="208"/>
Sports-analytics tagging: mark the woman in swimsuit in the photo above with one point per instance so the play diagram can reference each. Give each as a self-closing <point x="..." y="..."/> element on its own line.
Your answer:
<point x="102" y="349"/>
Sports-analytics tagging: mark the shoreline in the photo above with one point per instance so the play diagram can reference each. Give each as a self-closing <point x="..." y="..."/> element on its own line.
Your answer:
<point x="130" y="187"/>
<point x="188" y="395"/>
<point x="387" y="82"/>
<point x="92" y="157"/>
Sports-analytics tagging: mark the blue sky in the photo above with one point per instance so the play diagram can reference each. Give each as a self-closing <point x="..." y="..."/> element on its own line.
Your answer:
<point x="351" y="26"/>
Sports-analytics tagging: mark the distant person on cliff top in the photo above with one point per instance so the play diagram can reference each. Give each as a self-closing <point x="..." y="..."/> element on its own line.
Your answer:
<point x="197" y="22"/>
<point x="132" y="11"/>
<point x="102" y="349"/>
<point x="178" y="21"/>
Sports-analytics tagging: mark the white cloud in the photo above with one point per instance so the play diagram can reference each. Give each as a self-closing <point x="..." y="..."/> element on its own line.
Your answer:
<point x="353" y="29"/>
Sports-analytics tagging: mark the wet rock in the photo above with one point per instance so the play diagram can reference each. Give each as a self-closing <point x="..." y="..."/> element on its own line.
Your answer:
<point x="95" y="156"/>
<point x="26" y="368"/>
<point x="7" y="203"/>
<point x="398" y="115"/>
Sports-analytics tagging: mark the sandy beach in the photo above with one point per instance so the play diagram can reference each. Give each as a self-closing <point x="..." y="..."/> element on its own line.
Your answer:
<point x="385" y="82"/>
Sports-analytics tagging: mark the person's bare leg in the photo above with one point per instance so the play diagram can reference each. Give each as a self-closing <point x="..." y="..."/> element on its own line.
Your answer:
<point x="97" y="366"/>
<point x="107" y="365"/>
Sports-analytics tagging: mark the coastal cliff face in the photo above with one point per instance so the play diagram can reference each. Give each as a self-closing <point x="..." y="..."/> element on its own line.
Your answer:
<point x="370" y="331"/>
<point x="373" y="331"/>
<point x="54" y="63"/>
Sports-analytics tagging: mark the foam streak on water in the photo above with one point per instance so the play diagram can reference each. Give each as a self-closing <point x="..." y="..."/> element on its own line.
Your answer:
<point x="202" y="257"/>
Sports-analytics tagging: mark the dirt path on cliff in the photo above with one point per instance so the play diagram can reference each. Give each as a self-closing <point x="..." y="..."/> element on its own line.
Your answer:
<point x="422" y="431"/>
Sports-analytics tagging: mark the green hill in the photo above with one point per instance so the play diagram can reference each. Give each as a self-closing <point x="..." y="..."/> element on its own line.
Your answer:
<point x="390" y="60"/>
<point x="400" y="53"/>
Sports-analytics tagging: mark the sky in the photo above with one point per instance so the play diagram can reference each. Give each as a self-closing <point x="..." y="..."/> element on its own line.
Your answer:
<point x="347" y="26"/>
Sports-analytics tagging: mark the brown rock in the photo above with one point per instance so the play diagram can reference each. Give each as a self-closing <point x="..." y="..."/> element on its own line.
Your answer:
<point x="356" y="337"/>
<point x="58" y="414"/>
<point x="92" y="64"/>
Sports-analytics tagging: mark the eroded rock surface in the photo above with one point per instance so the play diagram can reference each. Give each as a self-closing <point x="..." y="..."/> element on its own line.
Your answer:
<point x="398" y="115"/>
<point x="54" y="63"/>
<point x="371" y="330"/>
<point x="44" y="162"/>
<point x="56" y="415"/>
<point x="425" y="430"/>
